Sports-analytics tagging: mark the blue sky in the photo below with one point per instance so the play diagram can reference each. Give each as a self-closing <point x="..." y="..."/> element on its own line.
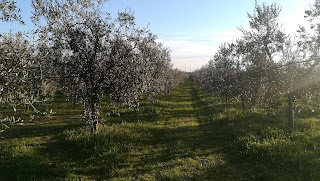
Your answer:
<point x="192" y="29"/>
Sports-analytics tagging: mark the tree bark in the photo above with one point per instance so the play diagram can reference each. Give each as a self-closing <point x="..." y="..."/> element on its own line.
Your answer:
<point x="95" y="125"/>
<point x="94" y="115"/>
<point x="290" y="112"/>
<point x="243" y="103"/>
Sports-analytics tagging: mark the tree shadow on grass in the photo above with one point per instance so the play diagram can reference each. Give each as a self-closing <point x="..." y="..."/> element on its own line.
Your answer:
<point x="22" y="157"/>
<point x="29" y="168"/>
<point x="146" y="113"/>
<point x="174" y="144"/>
<point x="22" y="147"/>
<point x="83" y="158"/>
<point x="188" y="135"/>
<point x="250" y="146"/>
<point x="37" y="130"/>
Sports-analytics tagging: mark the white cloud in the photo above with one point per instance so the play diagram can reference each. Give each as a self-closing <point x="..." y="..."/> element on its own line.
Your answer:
<point x="190" y="53"/>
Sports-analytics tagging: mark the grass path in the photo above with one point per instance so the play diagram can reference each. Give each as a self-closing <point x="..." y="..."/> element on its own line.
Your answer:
<point x="187" y="135"/>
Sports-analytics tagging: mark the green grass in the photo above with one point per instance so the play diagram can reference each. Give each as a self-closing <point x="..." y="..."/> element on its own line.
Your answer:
<point x="187" y="135"/>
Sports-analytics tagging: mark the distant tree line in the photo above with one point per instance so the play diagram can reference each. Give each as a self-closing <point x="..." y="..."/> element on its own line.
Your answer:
<point x="83" y="52"/>
<point x="265" y="64"/>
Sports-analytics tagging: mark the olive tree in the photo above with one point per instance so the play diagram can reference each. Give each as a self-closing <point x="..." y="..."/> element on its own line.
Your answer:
<point x="263" y="42"/>
<point x="303" y="58"/>
<point x="94" y="55"/>
<point x="142" y="66"/>
<point x="246" y="69"/>
<point x="9" y="11"/>
<point x="21" y="83"/>
<point x="79" y="39"/>
<point x="265" y="64"/>
<point x="225" y="75"/>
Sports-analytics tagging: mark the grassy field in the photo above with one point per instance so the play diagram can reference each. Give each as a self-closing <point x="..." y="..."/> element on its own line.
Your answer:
<point x="187" y="135"/>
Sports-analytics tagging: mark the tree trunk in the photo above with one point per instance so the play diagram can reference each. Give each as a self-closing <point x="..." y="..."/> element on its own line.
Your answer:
<point x="253" y="103"/>
<point x="290" y="112"/>
<point x="243" y="103"/>
<point x="94" y="114"/>
<point x="95" y="125"/>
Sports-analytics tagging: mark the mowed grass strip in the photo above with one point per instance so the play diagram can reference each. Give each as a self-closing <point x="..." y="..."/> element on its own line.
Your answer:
<point x="186" y="135"/>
